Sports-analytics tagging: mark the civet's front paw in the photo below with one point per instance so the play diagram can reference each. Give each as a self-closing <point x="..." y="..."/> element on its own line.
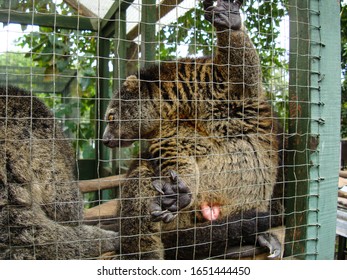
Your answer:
<point x="174" y="195"/>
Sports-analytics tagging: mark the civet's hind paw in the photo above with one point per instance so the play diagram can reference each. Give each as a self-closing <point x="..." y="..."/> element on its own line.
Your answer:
<point x="271" y="242"/>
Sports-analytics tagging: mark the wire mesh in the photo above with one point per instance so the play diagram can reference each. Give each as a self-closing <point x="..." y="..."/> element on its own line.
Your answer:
<point x="197" y="149"/>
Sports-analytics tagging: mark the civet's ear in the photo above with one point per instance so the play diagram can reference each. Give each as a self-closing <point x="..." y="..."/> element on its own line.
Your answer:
<point x="131" y="83"/>
<point x="239" y="2"/>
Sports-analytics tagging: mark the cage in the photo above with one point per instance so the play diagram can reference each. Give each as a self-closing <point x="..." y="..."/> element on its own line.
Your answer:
<point x="74" y="54"/>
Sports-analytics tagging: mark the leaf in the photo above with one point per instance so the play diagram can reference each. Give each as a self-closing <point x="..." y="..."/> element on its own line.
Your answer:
<point x="84" y="82"/>
<point x="62" y="64"/>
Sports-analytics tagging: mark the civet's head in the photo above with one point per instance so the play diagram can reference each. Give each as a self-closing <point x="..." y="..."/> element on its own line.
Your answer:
<point x="131" y="114"/>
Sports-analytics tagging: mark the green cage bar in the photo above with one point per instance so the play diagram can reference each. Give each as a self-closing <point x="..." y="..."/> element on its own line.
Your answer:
<point x="325" y="127"/>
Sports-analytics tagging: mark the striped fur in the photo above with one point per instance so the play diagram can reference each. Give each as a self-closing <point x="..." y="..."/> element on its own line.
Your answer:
<point x="208" y="120"/>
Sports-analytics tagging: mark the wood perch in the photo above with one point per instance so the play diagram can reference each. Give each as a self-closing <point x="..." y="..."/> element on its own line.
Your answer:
<point x="343" y="173"/>
<point x="107" y="210"/>
<point x="342" y="182"/>
<point x="342" y="194"/>
<point x="101" y="183"/>
<point x="342" y="202"/>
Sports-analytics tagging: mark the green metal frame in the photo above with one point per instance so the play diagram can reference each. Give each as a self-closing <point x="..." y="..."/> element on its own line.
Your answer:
<point x="313" y="152"/>
<point x="325" y="123"/>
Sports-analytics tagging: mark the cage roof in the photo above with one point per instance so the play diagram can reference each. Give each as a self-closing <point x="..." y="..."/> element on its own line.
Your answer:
<point x="97" y="8"/>
<point x="100" y="8"/>
<point x="94" y="14"/>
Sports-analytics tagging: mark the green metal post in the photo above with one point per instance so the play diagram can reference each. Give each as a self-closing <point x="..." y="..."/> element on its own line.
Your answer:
<point x="148" y="20"/>
<point x="325" y="114"/>
<point x="314" y="129"/>
<point x="103" y="93"/>
<point x="116" y="29"/>
<point x="120" y="45"/>
<point x="119" y="72"/>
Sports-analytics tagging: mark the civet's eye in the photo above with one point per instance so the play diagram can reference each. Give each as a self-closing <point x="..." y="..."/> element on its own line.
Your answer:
<point x="110" y="118"/>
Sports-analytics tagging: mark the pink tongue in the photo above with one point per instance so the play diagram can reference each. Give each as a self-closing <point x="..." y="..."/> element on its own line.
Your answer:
<point x="210" y="213"/>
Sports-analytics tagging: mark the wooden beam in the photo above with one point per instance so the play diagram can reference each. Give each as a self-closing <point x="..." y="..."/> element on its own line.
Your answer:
<point x="343" y="173"/>
<point x="49" y="20"/>
<point x="148" y="21"/>
<point x="108" y="23"/>
<point x="101" y="184"/>
<point x="298" y="152"/>
<point x="103" y="211"/>
<point x="80" y="8"/>
<point x="84" y="22"/>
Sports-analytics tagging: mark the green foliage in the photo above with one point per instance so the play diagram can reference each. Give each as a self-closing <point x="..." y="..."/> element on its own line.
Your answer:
<point x="57" y="50"/>
<point x="263" y="22"/>
<point x="13" y="59"/>
<point x="24" y="5"/>
<point x="189" y="30"/>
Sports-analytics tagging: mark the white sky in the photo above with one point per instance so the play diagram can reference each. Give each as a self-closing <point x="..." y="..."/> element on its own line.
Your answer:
<point x="8" y="35"/>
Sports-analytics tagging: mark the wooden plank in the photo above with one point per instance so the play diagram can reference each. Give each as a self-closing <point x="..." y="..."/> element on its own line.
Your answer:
<point x="84" y="22"/>
<point x="49" y="20"/>
<point x="341" y="225"/>
<point x="101" y="184"/>
<point x="107" y="210"/>
<point x="298" y="152"/>
<point x="102" y="99"/>
<point x="148" y="21"/>
<point x="342" y="194"/>
<point x="343" y="173"/>
<point x="87" y="20"/>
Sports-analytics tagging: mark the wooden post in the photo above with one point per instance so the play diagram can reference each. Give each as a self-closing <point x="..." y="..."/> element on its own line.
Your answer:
<point x="148" y="20"/>
<point x="120" y="47"/>
<point x="103" y="95"/>
<point x="298" y="153"/>
<point x="119" y="70"/>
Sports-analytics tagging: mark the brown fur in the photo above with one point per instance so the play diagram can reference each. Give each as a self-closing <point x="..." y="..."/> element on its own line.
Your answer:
<point x="208" y="120"/>
<point x="40" y="204"/>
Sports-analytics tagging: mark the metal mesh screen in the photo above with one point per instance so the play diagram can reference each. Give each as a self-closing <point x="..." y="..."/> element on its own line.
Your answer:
<point x="160" y="129"/>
